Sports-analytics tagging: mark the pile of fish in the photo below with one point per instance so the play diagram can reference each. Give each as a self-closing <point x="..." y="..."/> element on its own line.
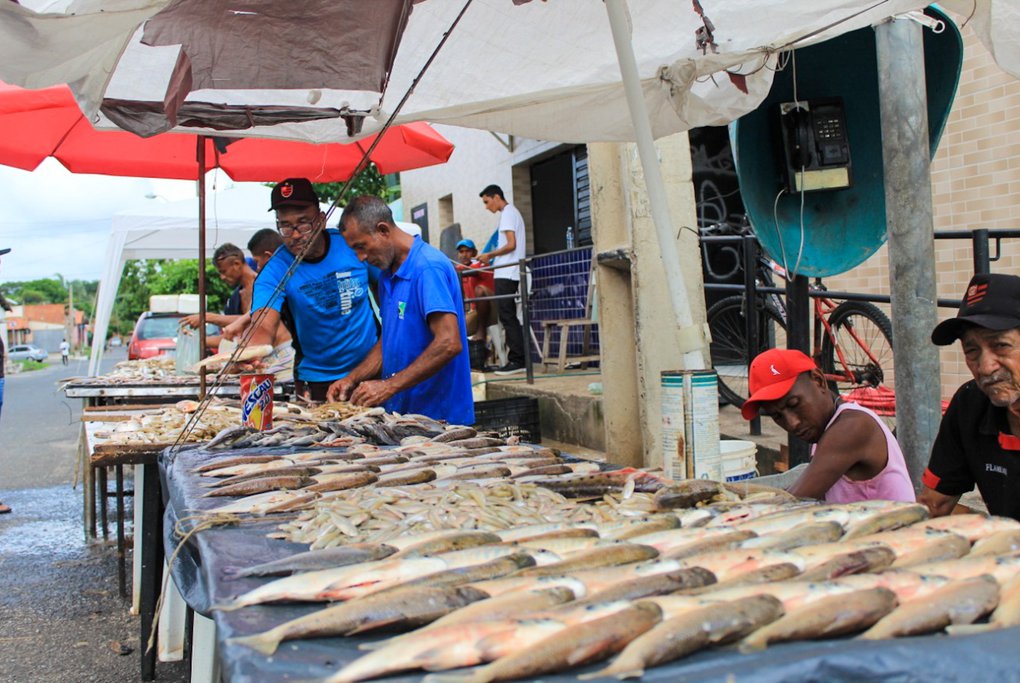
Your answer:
<point x="521" y="602"/>
<point x="366" y="489"/>
<point x="164" y="425"/>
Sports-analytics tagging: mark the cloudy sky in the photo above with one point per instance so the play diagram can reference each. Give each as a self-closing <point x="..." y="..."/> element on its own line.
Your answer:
<point x="57" y="222"/>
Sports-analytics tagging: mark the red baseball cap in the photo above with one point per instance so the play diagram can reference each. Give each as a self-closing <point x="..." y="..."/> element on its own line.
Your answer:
<point x="773" y="374"/>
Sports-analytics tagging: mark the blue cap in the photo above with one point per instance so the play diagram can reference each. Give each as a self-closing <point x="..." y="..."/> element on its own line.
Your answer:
<point x="467" y="243"/>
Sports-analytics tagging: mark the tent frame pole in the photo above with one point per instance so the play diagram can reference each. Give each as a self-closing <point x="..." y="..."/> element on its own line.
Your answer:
<point x="201" y="264"/>
<point x="691" y="338"/>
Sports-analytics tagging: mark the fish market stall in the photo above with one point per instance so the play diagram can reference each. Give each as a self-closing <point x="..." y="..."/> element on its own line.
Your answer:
<point x="540" y="564"/>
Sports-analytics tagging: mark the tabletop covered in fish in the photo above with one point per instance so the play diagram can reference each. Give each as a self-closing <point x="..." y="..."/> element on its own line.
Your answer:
<point x="449" y="549"/>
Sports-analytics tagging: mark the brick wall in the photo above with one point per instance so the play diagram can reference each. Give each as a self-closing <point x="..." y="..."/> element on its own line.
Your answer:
<point x="975" y="183"/>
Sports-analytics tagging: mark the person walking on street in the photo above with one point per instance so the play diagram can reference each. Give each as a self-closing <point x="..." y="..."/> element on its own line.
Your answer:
<point x="7" y="307"/>
<point x="65" y="351"/>
<point x="510" y="249"/>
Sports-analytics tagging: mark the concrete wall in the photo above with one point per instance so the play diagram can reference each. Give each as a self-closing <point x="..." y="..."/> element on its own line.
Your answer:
<point x="479" y="159"/>
<point x="976" y="184"/>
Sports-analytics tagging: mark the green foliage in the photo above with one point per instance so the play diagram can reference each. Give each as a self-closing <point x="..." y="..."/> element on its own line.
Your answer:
<point x="369" y="181"/>
<point x="42" y="291"/>
<point x="143" y="278"/>
<point x="29" y="365"/>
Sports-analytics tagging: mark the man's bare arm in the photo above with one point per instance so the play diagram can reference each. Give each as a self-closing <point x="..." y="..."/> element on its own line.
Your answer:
<point x="853" y="438"/>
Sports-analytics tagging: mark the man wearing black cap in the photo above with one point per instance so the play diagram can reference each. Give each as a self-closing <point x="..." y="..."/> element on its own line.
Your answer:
<point x="327" y="294"/>
<point x="979" y="438"/>
<point x="7" y="307"/>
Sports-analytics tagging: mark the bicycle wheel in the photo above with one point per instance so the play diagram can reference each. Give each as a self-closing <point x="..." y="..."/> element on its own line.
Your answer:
<point x="864" y="335"/>
<point x="730" y="355"/>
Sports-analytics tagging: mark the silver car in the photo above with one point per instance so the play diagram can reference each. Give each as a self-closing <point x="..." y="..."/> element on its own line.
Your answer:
<point x="27" y="352"/>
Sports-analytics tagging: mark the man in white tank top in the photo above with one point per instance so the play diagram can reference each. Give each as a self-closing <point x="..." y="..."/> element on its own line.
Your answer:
<point x="854" y="456"/>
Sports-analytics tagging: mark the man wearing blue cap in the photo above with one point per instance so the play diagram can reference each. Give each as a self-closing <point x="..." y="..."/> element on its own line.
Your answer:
<point x="476" y="284"/>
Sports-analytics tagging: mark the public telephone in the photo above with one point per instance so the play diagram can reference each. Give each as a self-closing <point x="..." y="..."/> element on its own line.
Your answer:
<point x="816" y="148"/>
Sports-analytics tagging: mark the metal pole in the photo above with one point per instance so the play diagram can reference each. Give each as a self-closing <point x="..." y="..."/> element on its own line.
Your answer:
<point x="798" y="336"/>
<point x="981" y="258"/>
<point x="529" y="368"/>
<point x="201" y="263"/>
<point x="751" y="326"/>
<point x="691" y="339"/>
<point x="908" y="210"/>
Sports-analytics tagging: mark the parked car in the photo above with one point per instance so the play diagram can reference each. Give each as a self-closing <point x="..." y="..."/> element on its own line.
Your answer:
<point x="156" y="334"/>
<point x="27" y="352"/>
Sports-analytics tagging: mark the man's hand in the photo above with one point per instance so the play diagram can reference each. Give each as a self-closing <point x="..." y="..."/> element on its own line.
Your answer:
<point x="236" y="328"/>
<point x="484" y="258"/>
<point x="190" y="321"/>
<point x="372" y="393"/>
<point x="340" y="390"/>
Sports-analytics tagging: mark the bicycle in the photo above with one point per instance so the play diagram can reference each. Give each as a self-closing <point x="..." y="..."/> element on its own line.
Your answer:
<point x="852" y="343"/>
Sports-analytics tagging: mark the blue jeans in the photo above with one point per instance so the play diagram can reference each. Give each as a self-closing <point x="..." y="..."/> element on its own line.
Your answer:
<point x="1" y="393"/>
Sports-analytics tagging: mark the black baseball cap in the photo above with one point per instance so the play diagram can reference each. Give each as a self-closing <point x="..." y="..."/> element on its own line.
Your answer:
<point x="293" y="192"/>
<point x="991" y="301"/>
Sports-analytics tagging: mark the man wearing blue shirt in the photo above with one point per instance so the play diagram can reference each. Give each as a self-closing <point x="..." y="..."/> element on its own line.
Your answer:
<point x="327" y="294"/>
<point x="422" y="359"/>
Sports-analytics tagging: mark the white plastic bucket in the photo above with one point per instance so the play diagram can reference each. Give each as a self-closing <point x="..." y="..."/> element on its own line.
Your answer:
<point x="739" y="459"/>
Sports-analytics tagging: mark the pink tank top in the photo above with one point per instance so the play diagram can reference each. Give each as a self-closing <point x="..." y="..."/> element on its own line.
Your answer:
<point x="892" y="483"/>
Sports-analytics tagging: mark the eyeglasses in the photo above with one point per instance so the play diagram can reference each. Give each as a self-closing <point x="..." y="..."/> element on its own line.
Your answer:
<point x="303" y="226"/>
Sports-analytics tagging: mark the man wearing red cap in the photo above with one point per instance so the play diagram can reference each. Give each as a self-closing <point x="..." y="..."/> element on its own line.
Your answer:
<point x="854" y="456"/>
<point x="979" y="439"/>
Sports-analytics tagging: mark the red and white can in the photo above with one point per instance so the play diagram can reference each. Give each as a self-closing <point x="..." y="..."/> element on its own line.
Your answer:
<point x="257" y="401"/>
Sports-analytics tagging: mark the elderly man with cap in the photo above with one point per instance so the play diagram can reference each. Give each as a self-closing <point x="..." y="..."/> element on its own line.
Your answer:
<point x="476" y="284"/>
<point x="327" y="294"/>
<point x="854" y="456"/>
<point x="421" y="363"/>
<point x="979" y="439"/>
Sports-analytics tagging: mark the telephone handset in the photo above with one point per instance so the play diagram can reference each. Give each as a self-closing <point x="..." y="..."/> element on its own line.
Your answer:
<point x="815" y="145"/>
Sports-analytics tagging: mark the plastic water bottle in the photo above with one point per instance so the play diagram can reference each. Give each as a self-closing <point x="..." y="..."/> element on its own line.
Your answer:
<point x="570" y="237"/>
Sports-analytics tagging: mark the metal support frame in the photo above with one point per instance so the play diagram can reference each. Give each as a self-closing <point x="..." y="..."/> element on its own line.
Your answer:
<point x="907" y="164"/>
<point x="798" y="336"/>
<point x="749" y="250"/>
<point x="151" y="551"/>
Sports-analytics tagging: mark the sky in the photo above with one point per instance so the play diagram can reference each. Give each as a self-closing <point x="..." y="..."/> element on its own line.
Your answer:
<point x="57" y="222"/>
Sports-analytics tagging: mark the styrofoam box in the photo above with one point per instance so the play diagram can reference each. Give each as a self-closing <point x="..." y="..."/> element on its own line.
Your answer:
<point x="163" y="303"/>
<point x="188" y="303"/>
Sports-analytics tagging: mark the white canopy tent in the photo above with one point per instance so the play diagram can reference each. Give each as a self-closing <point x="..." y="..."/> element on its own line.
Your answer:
<point x="170" y="231"/>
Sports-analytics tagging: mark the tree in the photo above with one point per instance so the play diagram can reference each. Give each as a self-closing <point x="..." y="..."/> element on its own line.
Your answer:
<point x="181" y="277"/>
<point x="369" y="181"/>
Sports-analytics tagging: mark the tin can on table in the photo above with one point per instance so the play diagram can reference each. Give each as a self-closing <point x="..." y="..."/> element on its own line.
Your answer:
<point x="257" y="401"/>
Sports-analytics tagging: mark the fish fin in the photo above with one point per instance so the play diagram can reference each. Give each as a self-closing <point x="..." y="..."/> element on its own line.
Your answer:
<point x="265" y="642"/>
<point x="584" y="654"/>
<point x="228" y="606"/>
<point x="751" y="644"/>
<point x="970" y="629"/>
<point x="450" y="678"/>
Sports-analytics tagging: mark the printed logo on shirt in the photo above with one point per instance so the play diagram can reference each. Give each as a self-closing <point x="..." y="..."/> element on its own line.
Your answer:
<point x="401" y="306"/>
<point x="349" y="290"/>
<point x="998" y="469"/>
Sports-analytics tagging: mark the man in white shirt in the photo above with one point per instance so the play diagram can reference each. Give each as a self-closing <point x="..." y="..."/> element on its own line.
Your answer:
<point x="508" y="252"/>
<point x="65" y="351"/>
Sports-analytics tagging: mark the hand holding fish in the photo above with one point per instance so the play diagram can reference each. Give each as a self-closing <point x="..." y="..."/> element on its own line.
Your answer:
<point x="340" y="390"/>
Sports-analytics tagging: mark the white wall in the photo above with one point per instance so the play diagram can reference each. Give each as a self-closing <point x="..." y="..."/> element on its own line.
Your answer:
<point x="478" y="160"/>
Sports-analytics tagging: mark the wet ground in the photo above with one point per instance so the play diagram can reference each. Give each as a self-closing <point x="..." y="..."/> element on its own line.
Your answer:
<point x="61" y="618"/>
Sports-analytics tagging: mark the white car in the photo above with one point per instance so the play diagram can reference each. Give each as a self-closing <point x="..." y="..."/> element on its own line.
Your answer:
<point x="27" y="352"/>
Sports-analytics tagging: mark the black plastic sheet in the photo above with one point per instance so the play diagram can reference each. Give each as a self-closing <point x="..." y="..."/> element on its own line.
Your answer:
<point x="201" y="572"/>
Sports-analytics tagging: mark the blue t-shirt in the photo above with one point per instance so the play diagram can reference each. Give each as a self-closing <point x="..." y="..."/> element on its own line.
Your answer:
<point x="425" y="283"/>
<point x="330" y="306"/>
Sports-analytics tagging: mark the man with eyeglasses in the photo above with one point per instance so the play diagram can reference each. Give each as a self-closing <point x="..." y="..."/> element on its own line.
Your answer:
<point x="327" y="294"/>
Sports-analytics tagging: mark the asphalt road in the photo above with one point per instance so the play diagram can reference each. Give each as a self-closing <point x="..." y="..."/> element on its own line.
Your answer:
<point x="61" y="618"/>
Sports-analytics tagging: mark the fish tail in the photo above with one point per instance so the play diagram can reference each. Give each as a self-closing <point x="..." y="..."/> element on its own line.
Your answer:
<point x="620" y="673"/>
<point x="266" y="642"/>
<point x="752" y="644"/>
<point x="228" y="606"/>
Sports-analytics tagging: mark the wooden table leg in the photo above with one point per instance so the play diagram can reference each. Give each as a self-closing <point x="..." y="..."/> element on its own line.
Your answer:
<point x="121" y="553"/>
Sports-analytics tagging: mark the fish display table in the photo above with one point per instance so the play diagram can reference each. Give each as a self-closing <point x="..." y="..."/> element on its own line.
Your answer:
<point x="204" y="567"/>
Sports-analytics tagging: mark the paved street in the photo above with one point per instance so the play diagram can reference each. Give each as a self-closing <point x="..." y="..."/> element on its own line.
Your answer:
<point x="62" y="618"/>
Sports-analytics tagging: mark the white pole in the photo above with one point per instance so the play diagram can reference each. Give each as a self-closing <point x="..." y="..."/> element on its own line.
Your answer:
<point x="691" y="339"/>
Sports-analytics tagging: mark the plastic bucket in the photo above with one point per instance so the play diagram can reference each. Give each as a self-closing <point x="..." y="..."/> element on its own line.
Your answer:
<point x="739" y="459"/>
<point x="477" y="353"/>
